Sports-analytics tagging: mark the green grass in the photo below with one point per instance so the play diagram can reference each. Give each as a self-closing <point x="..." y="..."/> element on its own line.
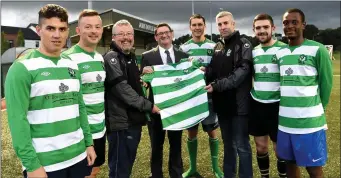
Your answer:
<point x="336" y="63"/>
<point x="10" y="166"/>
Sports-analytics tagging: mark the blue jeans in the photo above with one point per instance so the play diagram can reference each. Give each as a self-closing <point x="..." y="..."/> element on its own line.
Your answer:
<point x="234" y="131"/>
<point x="122" y="151"/>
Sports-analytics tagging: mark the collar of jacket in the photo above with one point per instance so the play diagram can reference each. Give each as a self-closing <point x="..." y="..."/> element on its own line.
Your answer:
<point x="231" y="37"/>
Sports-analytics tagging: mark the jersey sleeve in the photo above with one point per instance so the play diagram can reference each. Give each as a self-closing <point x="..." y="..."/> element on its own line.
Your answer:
<point x="325" y="75"/>
<point x="84" y="117"/>
<point x="17" y="92"/>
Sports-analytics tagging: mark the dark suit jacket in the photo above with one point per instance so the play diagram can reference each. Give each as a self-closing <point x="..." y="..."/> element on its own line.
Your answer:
<point x="153" y="57"/>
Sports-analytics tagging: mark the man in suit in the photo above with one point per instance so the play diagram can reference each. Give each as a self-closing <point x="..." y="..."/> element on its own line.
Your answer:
<point x="164" y="53"/>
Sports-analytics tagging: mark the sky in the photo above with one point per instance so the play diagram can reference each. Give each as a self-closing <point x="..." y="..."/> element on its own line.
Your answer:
<point x="322" y="14"/>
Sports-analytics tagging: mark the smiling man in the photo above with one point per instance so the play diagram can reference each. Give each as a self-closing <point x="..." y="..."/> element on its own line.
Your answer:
<point x="201" y="49"/>
<point x="306" y="83"/>
<point x="92" y="72"/>
<point x="230" y="75"/>
<point x="46" y="113"/>
<point x="125" y="105"/>
<point x="265" y="94"/>
<point x="164" y="53"/>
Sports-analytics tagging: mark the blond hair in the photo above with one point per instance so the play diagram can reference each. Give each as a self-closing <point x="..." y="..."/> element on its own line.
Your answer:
<point x="223" y="14"/>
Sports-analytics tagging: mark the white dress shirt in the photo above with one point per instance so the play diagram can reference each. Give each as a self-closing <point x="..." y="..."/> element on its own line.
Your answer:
<point x="164" y="55"/>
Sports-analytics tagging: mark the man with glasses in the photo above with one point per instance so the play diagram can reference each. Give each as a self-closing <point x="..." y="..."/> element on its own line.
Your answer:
<point x="164" y="53"/>
<point x="125" y="105"/>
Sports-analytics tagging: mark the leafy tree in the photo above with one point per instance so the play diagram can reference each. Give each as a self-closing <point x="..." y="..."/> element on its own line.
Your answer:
<point x="20" y="39"/>
<point x="4" y="43"/>
<point x="310" y="32"/>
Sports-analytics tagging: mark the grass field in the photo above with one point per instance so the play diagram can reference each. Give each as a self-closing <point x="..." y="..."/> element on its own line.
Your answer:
<point x="11" y="168"/>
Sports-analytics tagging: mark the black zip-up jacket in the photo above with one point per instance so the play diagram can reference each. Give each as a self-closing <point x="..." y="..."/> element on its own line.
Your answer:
<point x="125" y="105"/>
<point x="230" y="75"/>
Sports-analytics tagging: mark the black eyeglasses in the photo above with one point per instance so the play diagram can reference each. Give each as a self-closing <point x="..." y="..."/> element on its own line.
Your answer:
<point x="163" y="33"/>
<point x="124" y="34"/>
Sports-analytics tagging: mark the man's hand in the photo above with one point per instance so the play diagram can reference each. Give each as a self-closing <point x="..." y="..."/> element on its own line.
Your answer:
<point x="156" y="110"/>
<point x="91" y="155"/>
<point x="144" y="84"/>
<point x="39" y="173"/>
<point x="203" y="69"/>
<point x="209" y="88"/>
<point x="147" y="70"/>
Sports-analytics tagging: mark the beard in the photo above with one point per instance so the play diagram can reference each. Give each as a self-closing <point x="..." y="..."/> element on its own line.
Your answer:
<point x="268" y="38"/>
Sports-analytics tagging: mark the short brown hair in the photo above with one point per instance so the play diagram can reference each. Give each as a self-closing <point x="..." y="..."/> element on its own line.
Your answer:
<point x="196" y="16"/>
<point x="263" y="17"/>
<point x="87" y="13"/>
<point x="162" y="25"/>
<point x="53" y="10"/>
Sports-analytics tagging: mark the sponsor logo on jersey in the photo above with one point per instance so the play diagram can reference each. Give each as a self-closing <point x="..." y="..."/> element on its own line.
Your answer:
<point x="99" y="78"/>
<point x="45" y="74"/>
<point x="63" y="88"/>
<point x="289" y="71"/>
<point x="264" y="69"/>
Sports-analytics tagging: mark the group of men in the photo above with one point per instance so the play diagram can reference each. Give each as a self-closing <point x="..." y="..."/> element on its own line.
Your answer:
<point x="62" y="107"/>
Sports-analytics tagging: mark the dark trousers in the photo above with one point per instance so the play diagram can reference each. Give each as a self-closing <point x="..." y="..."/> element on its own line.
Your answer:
<point x="78" y="170"/>
<point x="175" y="165"/>
<point x="122" y="151"/>
<point x="234" y="131"/>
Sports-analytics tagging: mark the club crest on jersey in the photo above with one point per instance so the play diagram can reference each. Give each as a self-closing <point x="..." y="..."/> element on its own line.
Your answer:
<point x="72" y="72"/>
<point x="63" y="88"/>
<point x="264" y="69"/>
<point x="177" y="80"/>
<point x="302" y="59"/>
<point x="274" y="59"/>
<point x="256" y="59"/>
<point x="164" y="74"/>
<point x="209" y="51"/>
<point x="186" y="71"/>
<point x="228" y="53"/>
<point x="289" y="71"/>
<point x="102" y="64"/>
<point x="98" y="78"/>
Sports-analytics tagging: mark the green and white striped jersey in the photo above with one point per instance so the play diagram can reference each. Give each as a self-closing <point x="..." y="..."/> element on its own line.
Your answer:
<point x="266" y="77"/>
<point x="201" y="51"/>
<point x="305" y="85"/>
<point x="46" y="112"/>
<point x="179" y="93"/>
<point x="92" y="76"/>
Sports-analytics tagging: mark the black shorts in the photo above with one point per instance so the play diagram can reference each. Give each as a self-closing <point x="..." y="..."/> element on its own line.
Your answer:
<point x="206" y="128"/>
<point x="264" y="119"/>
<point x="99" y="145"/>
<point x="78" y="170"/>
<point x="210" y="123"/>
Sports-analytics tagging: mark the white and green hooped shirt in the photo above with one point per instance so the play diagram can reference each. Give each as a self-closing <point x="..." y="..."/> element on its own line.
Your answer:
<point x="92" y="73"/>
<point x="179" y="93"/>
<point x="306" y="79"/>
<point x="200" y="51"/>
<point x="46" y="112"/>
<point x="266" y="73"/>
